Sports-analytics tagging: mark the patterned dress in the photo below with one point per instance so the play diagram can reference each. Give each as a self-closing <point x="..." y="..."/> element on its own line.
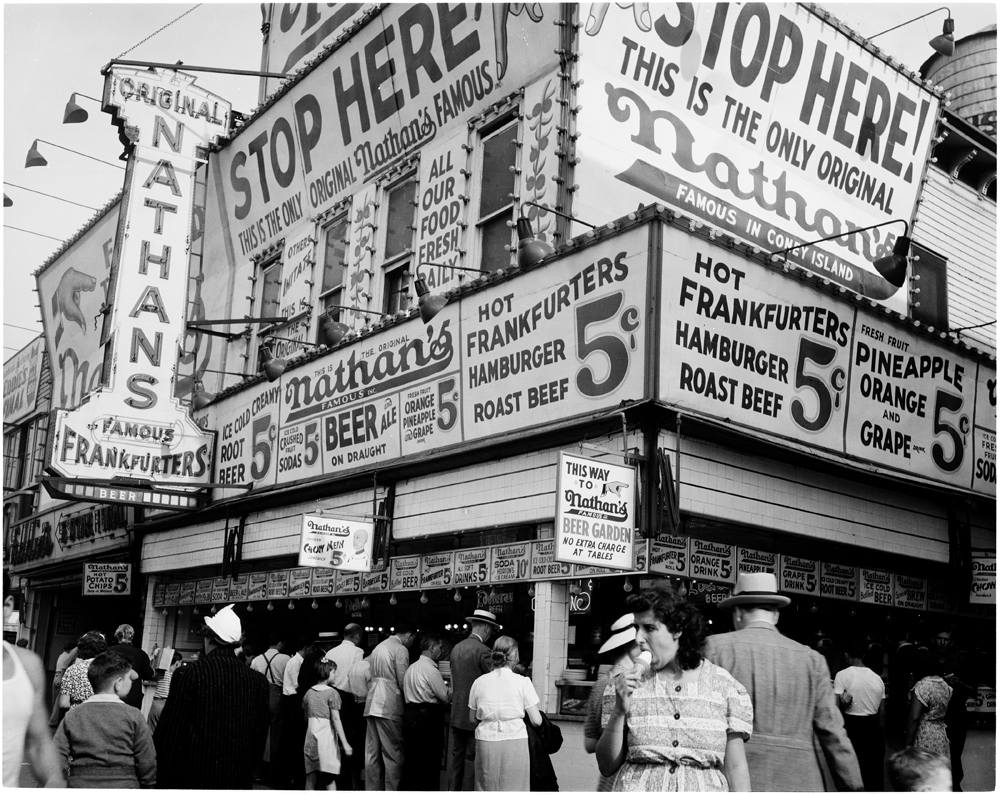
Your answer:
<point x="934" y="693"/>
<point x="677" y="734"/>
<point x="322" y="749"/>
<point x="75" y="683"/>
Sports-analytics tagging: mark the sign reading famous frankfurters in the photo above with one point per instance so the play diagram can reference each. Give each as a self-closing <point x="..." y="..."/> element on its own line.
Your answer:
<point x="743" y="342"/>
<point x="766" y="121"/>
<point x="131" y="427"/>
<point x="595" y="512"/>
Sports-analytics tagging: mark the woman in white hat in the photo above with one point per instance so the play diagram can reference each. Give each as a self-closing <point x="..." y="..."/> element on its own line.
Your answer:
<point x="619" y="651"/>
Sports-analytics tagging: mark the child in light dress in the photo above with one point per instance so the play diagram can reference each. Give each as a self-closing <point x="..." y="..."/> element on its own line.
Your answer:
<point x="321" y="707"/>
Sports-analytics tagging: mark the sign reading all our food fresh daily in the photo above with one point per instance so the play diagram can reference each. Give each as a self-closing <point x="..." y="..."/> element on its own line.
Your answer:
<point x="742" y="342"/>
<point x="335" y="543"/>
<point x="132" y="427"/>
<point x="595" y="512"/>
<point x="406" y="76"/>
<point x="556" y="342"/>
<point x="762" y="120"/>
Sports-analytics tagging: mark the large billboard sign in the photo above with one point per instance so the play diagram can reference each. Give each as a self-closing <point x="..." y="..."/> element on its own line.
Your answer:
<point x="744" y="343"/>
<point x="21" y="373"/>
<point x="762" y="120"/>
<point x="396" y="85"/>
<point x="132" y="427"/>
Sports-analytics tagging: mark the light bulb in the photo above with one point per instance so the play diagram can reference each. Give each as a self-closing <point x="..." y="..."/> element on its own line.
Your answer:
<point x="814" y="608"/>
<point x="338" y="603"/>
<point x="164" y="611"/>
<point x="380" y="629"/>
<point x="531" y="590"/>
<point x="270" y="606"/>
<point x="458" y="596"/>
<point x="196" y="612"/>
<point x="214" y="609"/>
<point x="683" y="590"/>
<point x="393" y="600"/>
<point x="627" y="587"/>
<point x="314" y="604"/>
<point x="465" y="626"/>
<point x="291" y="604"/>
<point x="249" y="608"/>
<point x="423" y="598"/>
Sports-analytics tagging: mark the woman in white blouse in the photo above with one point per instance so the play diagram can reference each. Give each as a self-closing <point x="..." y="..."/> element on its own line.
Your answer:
<point x="499" y="700"/>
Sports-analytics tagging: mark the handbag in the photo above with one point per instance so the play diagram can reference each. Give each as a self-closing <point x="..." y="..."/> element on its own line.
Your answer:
<point x="543" y="740"/>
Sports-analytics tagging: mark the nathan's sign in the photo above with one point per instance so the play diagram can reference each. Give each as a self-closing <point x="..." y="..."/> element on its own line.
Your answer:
<point x="762" y="120"/>
<point x="595" y="513"/>
<point x="407" y="75"/>
<point x="742" y="342"/>
<point x="20" y="381"/>
<point x="332" y="543"/>
<point x="132" y="427"/>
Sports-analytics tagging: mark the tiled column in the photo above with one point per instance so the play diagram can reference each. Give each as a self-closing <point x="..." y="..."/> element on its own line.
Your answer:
<point x="154" y="624"/>
<point x="551" y="626"/>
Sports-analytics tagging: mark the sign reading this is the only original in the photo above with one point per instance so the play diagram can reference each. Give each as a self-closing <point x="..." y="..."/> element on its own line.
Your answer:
<point x="595" y="512"/>
<point x="333" y="543"/>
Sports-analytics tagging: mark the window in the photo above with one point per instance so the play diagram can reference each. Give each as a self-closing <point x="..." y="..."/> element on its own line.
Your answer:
<point x="333" y="290"/>
<point x="269" y="304"/>
<point x="399" y="245"/>
<point x="496" y="198"/>
<point x="929" y="275"/>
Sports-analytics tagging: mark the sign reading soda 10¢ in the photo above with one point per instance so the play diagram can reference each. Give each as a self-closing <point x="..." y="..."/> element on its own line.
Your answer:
<point x="107" y="579"/>
<point x="595" y="513"/>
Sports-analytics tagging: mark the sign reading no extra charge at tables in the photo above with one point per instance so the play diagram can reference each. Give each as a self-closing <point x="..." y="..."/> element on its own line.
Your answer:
<point x="595" y="513"/>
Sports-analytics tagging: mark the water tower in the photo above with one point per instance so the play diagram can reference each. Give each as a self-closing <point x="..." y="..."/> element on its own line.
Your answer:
<point x="970" y="76"/>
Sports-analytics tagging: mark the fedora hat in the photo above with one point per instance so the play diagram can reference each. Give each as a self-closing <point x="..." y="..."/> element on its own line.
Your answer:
<point x="622" y="632"/>
<point x="755" y="588"/>
<point x="484" y="616"/>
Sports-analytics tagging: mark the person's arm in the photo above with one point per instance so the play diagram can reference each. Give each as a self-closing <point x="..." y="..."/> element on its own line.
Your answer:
<point x="61" y="741"/>
<point x="734" y="765"/>
<point x="828" y="725"/>
<point x="611" y="748"/>
<point x="486" y="661"/>
<point x="592" y="723"/>
<point x="917" y="710"/>
<point x="38" y="745"/>
<point x="533" y="715"/>
<point x="63" y="699"/>
<point x="402" y="661"/>
<point x="338" y="727"/>
<point x="145" y="755"/>
<point x="147" y="674"/>
<point x="436" y="681"/>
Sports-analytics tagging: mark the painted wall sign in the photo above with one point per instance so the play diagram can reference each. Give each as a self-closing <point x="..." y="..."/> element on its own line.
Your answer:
<point x="20" y="381"/>
<point x="595" y="512"/>
<point x="940" y="597"/>
<point x="296" y="275"/>
<point x="203" y="592"/>
<point x="220" y="590"/>
<point x="336" y="543"/>
<point x="257" y="586"/>
<point x="107" y="579"/>
<point x="395" y="86"/>
<point x="187" y="593"/>
<point x="72" y="288"/>
<point x="756" y="561"/>
<point x="324" y="582"/>
<point x="876" y="587"/>
<point x="510" y="562"/>
<point x="838" y="582"/>
<point x="239" y="588"/>
<point x="404" y="574"/>
<point x="437" y="570"/>
<point x="909" y="592"/>
<point x="764" y="121"/>
<point x="159" y="595"/>
<point x="132" y="427"/>
<point x="441" y="214"/>
<point x="984" y="581"/>
<point x="374" y="581"/>
<point x="799" y="575"/>
<point x="713" y="561"/>
<point x="277" y="584"/>
<point x="348" y="582"/>
<point x="669" y="555"/>
<point x="544" y="565"/>
<point x="744" y="343"/>
<point x="472" y="566"/>
<point x="299" y="583"/>
<point x="172" y="594"/>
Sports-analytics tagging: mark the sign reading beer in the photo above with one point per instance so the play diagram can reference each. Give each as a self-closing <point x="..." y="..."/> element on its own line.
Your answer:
<point x="404" y="574"/>
<point x="595" y="512"/>
<point x="239" y="588"/>
<point x="876" y="587"/>
<point x="910" y="592"/>
<point x="336" y="543"/>
<point x="132" y="427"/>
<point x="107" y="579"/>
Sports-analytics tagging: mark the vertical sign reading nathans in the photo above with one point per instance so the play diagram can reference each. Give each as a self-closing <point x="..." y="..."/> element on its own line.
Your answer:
<point x="762" y="120"/>
<point x="334" y="543"/>
<point x="984" y="581"/>
<point x="132" y="426"/>
<point x="20" y="381"/>
<point x="566" y="339"/>
<point x="595" y="512"/>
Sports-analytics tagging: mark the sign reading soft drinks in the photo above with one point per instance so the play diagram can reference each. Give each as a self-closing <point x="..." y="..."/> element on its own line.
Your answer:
<point x="331" y="543"/>
<point x="595" y="512"/>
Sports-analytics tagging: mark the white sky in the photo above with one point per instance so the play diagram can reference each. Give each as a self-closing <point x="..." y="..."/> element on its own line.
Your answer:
<point x="52" y="50"/>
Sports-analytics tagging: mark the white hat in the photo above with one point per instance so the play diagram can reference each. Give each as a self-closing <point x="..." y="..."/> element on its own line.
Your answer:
<point x="484" y="616"/>
<point x="226" y="624"/>
<point x="755" y="588"/>
<point x="622" y="632"/>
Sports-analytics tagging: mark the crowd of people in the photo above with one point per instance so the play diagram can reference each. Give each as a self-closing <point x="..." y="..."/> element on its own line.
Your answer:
<point x="677" y="710"/>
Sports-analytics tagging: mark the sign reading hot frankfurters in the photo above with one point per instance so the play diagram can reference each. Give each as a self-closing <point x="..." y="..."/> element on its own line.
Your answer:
<point x="332" y="543"/>
<point x="595" y="512"/>
<point x="131" y="426"/>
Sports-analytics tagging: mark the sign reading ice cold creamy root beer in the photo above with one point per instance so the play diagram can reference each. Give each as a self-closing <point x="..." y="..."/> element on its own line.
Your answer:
<point x="331" y="543"/>
<point x="595" y="513"/>
<point x="838" y="582"/>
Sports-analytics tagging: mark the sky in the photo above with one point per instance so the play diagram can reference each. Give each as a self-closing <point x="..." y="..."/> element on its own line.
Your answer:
<point x="53" y="50"/>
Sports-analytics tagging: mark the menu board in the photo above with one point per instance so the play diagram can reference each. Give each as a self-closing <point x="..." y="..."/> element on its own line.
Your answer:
<point x="510" y="562"/>
<point x="324" y="582"/>
<point x="799" y="575"/>
<point x="544" y="565"/>
<point x="374" y="581"/>
<point x="752" y="560"/>
<point x="187" y="593"/>
<point x="436" y="570"/>
<point x="349" y="582"/>
<point x="984" y="581"/>
<point x="172" y="594"/>
<point x="277" y="584"/>
<point x="203" y="592"/>
<point x="713" y="561"/>
<point x="257" y="587"/>
<point x="220" y="590"/>
<point x="300" y="583"/>
<point x="910" y="592"/>
<point x="669" y="555"/>
<point x="404" y="574"/>
<point x="159" y="594"/>
<point x="876" y="587"/>
<point x="838" y="582"/>
<point x="640" y="560"/>
<point x="472" y="566"/>
<point x="239" y="588"/>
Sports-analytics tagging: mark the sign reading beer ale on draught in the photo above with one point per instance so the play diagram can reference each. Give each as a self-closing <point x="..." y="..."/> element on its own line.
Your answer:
<point x="132" y="427"/>
<point x="595" y="512"/>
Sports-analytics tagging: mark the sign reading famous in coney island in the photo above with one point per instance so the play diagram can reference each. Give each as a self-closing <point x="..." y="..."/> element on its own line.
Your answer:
<point x="131" y="426"/>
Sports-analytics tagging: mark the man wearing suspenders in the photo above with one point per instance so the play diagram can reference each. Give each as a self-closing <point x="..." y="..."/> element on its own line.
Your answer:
<point x="272" y="664"/>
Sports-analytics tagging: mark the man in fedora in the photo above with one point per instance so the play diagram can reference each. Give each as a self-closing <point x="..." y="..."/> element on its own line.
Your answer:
<point x="794" y="711"/>
<point x="470" y="659"/>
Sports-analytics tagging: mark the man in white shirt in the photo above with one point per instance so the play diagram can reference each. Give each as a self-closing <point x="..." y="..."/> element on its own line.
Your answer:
<point x="359" y="679"/>
<point x="290" y="763"/>
<point x="860" y="693"/>
<point x="345" y="656"/>
<point x="423" y="717"/>
<point x="272" y="664"/>
<point x="384" y="709"/>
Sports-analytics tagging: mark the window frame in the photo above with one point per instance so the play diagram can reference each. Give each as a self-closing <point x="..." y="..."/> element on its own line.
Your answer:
<point x="403" y="262"/>
<point x="322" y="296"/>
<point x="507" y="123"/>
<point x="928" y="268"/>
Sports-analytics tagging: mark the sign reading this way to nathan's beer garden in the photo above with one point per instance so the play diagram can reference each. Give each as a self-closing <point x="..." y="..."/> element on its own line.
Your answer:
<point x="336" y="543"/>
<point x="595" y="512"/>
<point x="744" y="343"/>
<point x="762" y="120"/>
<point x="498" y="361"/>
<point x="132" y="427"/>
<point x="400" y="81"/>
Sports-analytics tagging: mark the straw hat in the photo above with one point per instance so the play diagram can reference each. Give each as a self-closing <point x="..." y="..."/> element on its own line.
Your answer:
<point x="755" y="588"/>
<point x="622" y="632"/>
<point x="485" y="616"/>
